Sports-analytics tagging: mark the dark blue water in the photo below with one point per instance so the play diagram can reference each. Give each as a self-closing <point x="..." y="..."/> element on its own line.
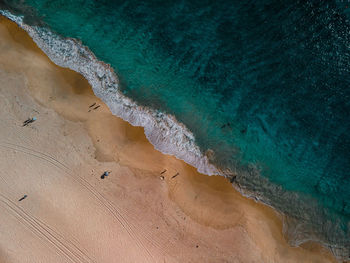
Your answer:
<point x="264" y="84"/>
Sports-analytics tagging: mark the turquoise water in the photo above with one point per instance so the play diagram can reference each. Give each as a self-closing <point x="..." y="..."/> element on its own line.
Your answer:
<point x="263" y="84"/>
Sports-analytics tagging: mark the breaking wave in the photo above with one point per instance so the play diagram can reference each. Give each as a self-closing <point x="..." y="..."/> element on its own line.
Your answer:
<point x="169" y="136"/>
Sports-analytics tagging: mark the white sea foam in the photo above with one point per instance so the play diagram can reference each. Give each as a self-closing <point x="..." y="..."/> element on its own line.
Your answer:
<point x="166" y="134"/>
<point x="162" y="130"/>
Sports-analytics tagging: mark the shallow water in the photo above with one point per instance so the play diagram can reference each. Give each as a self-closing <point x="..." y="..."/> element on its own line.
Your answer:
<point x="263" y="84"/>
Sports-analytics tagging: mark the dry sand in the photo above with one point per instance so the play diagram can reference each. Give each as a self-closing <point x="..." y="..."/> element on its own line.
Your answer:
<point x="72" y="215"/>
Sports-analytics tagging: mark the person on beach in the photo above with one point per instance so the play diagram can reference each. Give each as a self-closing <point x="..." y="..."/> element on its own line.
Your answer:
<point x="22" y="198"/>
<point x="28" y="121"/>
<point x="105" y="174"/>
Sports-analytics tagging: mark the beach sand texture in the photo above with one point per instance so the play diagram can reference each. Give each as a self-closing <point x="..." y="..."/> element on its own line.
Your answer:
<point x="70" y="214"/>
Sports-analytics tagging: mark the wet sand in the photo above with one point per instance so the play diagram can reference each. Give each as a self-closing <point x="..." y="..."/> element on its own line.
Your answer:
<point x="72" y="215"/>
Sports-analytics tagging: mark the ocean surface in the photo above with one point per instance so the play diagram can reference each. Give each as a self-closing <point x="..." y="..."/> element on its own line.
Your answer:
<point x="263" y="86"/>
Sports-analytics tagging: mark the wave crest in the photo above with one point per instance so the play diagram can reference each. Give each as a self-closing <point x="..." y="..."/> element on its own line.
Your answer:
<point x="165" y="133"/>
<point x="169" y="136"/>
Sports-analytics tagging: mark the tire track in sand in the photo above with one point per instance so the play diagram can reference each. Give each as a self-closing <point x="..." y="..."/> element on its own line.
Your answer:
<point x="109" y="206"/>
<point x="62" y="246"/>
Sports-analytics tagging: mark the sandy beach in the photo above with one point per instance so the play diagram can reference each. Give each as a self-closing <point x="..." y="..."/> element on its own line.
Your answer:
<point x="136" y="214"/>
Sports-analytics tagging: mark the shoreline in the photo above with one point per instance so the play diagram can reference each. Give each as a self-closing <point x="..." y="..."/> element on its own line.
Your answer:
<point x="73" y="106"/>
<point x="169" y="136"/>
<point x="69" y="53"/>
